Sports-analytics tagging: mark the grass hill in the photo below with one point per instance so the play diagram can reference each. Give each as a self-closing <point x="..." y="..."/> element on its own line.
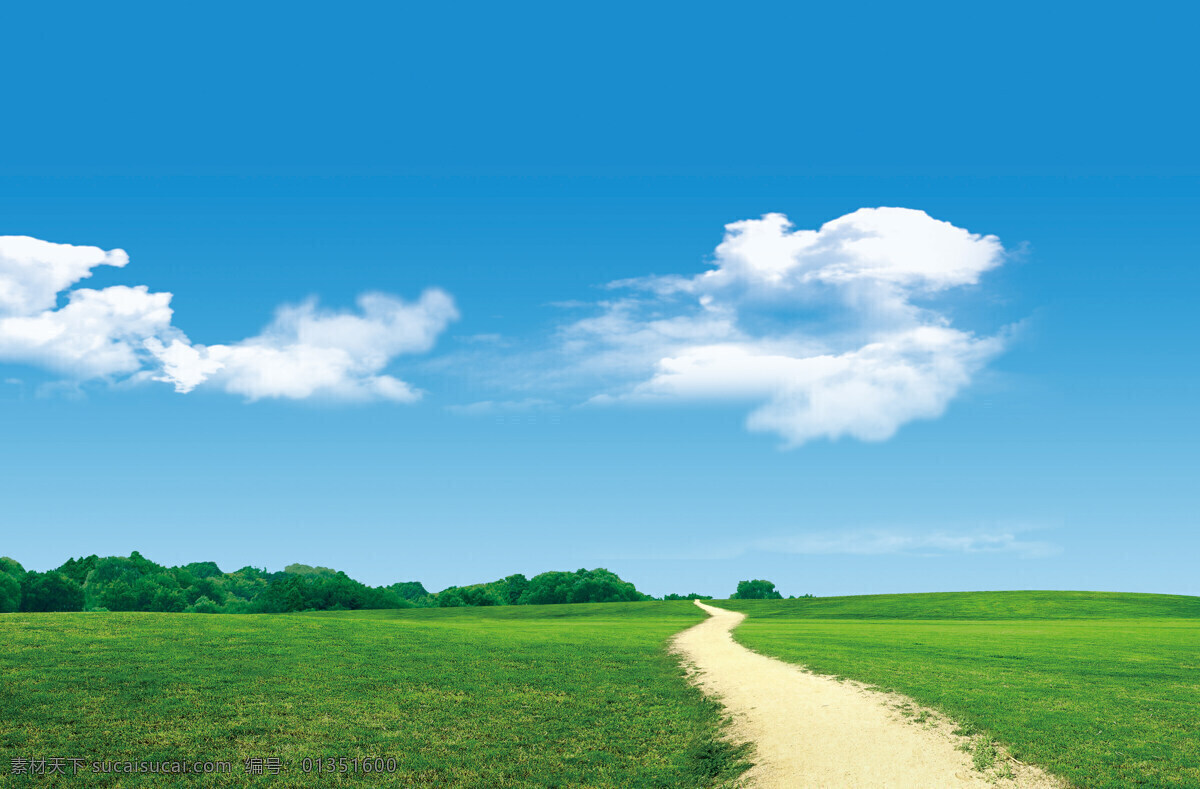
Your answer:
<point x="976" y="605"/>
<point x="1100" y="688"/>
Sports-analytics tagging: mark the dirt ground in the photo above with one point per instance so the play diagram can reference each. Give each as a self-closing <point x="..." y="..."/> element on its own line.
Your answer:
<point x="814" y="731"/>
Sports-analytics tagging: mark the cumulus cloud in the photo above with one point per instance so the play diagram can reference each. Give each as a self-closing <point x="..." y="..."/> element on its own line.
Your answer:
<point x="34" y="272"/>
<point x="97" y="333"/>
<point x="306" y="351"/>
<point x="124" y="332"/>
<point x="900" y="246"/>
<point x="821" y="332"/>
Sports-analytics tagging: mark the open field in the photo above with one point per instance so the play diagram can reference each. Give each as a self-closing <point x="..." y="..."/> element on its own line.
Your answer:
<point x="566" y="695"/>
<point x="1100" y="689"/>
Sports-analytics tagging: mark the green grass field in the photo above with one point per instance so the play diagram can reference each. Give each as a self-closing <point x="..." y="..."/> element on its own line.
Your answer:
<point x="1100" y="689"/>
<point x="568" y="695"/>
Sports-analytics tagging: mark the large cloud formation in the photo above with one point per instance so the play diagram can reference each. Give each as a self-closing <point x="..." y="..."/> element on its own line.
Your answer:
<point x="820" y="333"/>
<point x="818" y="330"/>
<point x="126" y="332"/>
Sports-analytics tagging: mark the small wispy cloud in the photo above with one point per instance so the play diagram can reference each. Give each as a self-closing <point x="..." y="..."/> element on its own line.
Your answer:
<point x="490" y="407"/>
<point x="874" y="542"/>
<point x="483" y="339"/>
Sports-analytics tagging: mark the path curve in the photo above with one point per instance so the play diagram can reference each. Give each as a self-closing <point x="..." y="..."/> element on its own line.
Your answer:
<point x="813" y="731"/>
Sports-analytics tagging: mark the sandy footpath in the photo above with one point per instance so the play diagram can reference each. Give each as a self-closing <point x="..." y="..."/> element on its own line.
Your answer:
<point x="813" y="731"/>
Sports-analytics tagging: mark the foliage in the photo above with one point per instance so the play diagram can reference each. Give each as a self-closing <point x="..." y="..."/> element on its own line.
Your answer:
<point x="414" y="592"/>
<point x="50" y="591"/>
<point x="581" y="586"/>
<point x="455" y="597"/>
<point x="550" y="588"/>
<point x="134" y="583"/>
<point x="10" y="593"/>
<point x="304" y="569"/>
<point x="503" y="696"/>
<point x="11" y="567"/>
<point x="321" y="591"/>
<point x="1097" y="687"/>
<point x="78" y="569"/>
<point x="11" y="573"/>
<point x="203" y="605"/>
<point x="689" y="596"/>
<point x="756" y="590"/>
<point x="203" y="569"/>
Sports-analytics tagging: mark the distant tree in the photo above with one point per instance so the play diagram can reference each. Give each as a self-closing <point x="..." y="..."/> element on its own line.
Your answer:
<point x="10" y="593"/>
<point x="11" y="567"/>
<point x="756" y="590"/>
<point x="11" y="573"/>
<point x="50" y="591"/>
<point x="548" y="588"/>
<point x="582" y="586"/>
<point x="203" y="605"/>
<point x="116" y="596"/>
<point x="410" y="590"/>
<point x="514" y="586"/>
<point x="78" y="569"/>
<point x="106" y="572"/>
<point x="283" y="594"/>
<point x="478" y="595"/>
<point x="304" y="569"/>
<point x="135" y="583"/>
<point x="412" y="593"/>
<point x="689" y="596"/>
<point x="205" y="587"/>
<point x="167" y="600"/>
<point x="203" y="569"/>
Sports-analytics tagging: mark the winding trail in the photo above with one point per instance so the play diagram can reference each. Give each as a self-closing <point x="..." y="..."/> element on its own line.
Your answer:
<point x="813" y="731"/>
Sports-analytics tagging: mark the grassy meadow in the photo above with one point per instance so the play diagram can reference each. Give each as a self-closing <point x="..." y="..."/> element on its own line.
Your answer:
<point x="1101" y="689"/>
<point x="522" y="696"/>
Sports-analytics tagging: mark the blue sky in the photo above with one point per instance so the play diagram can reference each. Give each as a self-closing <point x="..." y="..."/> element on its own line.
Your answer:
<point x="898" y="402"/>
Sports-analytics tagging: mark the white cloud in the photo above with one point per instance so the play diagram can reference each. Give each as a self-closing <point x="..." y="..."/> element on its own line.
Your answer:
<point x="127" y="332"/>
<point x="306" y="351"/>
<point x="98" y="333"/>
<point x="894" y="245"/>
<point x="34" y="272"/>
<point x="817" y="330"/>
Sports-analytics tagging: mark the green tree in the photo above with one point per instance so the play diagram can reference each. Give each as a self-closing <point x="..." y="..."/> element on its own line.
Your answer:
<point x="11" y="567"/>
<point x="203" y="605"/>
<point x="514" y="586"/>
<point x="10" y="593"/>
<point x="11" y="573"/>
<point x="756" y="590"/>
<point x="78" y="569"/>
<point x="203" y="569"/>
<point x="116" y="596"/>
<point x="50" y="591"/>
<point x="304" y="569"/>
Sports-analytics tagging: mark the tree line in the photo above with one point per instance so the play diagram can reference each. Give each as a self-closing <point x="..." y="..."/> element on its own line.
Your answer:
<point x="134" y="583"/>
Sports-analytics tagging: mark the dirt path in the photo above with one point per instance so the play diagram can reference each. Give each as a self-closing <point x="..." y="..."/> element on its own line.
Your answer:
<point x="813" y="731"/>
